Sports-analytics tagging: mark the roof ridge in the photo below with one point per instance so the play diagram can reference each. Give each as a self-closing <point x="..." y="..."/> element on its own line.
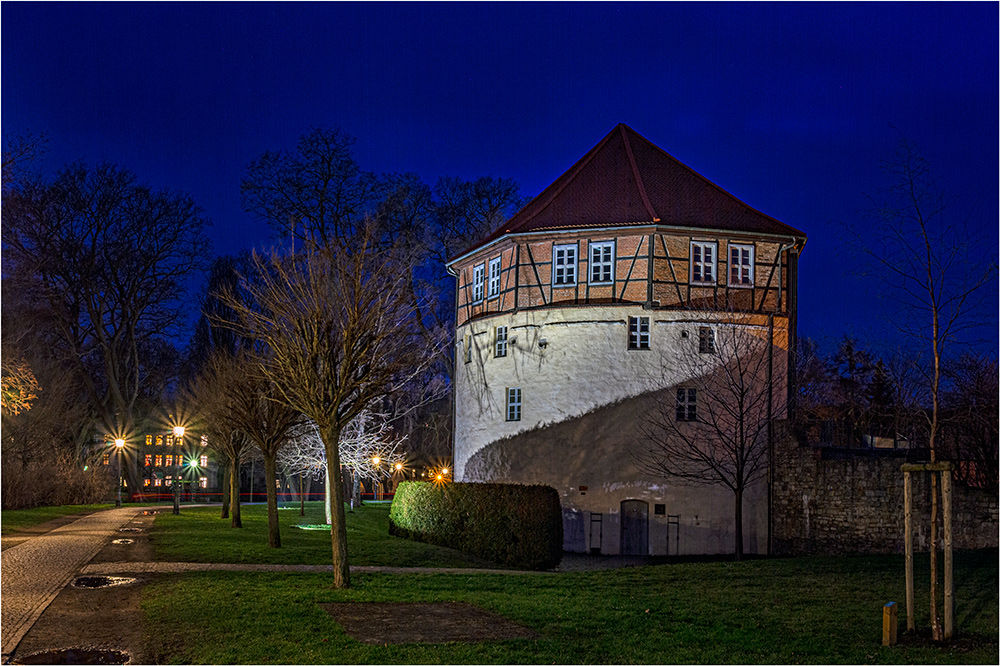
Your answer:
<point x="635" y="172"/>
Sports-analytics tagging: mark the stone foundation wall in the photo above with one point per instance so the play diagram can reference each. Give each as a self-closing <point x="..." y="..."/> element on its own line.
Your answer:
<point x="827" y="503"/>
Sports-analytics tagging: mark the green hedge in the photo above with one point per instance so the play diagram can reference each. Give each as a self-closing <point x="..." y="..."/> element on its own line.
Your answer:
<point x="513" y="525"/>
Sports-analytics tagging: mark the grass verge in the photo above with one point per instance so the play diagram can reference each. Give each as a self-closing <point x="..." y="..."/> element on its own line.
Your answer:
<point x="199" y="535"/>
<point x="806" y="610"/>
<point x="13" y="520"/>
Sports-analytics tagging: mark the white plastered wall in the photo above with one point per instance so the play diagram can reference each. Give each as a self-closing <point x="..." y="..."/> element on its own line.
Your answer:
<point x="585" y="365"/>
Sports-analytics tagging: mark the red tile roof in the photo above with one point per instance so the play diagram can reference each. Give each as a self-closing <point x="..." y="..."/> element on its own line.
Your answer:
<point x="627" y="181"/>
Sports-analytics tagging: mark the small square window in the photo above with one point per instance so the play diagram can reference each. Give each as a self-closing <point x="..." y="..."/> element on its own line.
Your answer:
<point x="494" y="287"/>
<point x="706" y="340"/>
<point x="687" y="404"/>
<point x="500" y="347"/>
<point x="638" y="332"/>
<point x="660" y="509"/>
<point x="602" y="262"/>
<point x="478" y="279"/>
<point x="703" y="263"/>
<point x="564" y="265"/>
<point x="157" y="482"/>
<point x="513" y="404"/>
<point x="741" y="265"/>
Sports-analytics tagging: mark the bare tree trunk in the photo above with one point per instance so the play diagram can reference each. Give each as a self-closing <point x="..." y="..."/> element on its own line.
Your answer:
<point x="338" y="528"/>
<point x="234" y="492"/>
<point x="302" y="498"/>
<point x="739" y="524"/>
<point x="356" y="489"/>
<point x="225" y="492"/>
<point x="327" y="494"/>
<point x="270" y="477"/>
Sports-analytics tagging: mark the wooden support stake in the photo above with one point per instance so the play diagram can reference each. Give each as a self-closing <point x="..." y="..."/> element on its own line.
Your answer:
<point x="949" y="580"/>
<point x="889" y="619"/>
<point x="911" y="624"/>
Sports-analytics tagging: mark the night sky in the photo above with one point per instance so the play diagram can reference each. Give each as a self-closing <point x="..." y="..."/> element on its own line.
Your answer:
<point x="790" y="107"/>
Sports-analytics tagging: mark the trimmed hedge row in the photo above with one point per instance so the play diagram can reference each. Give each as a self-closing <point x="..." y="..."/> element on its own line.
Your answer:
<point x="513" y="525"/>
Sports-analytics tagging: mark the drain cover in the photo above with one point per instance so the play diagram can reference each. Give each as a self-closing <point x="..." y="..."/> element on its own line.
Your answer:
<point x="75" y="656"/>
<point x="123" y="542"/>
<point x="129" y="529"/>
<point x="91" y="582"/>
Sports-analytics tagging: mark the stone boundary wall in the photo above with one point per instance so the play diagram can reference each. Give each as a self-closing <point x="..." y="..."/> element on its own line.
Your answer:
<point x="853" y="503"/>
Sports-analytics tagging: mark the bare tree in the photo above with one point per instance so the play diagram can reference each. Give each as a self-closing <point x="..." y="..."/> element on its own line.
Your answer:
<point x="926" y="264"/>
<point x="339" y="331"/>
<point x="214" y="392"/>
<point x="971" y="403"/>
<point x="713" y="428"/>
<point x="367" y="448"/>
<point x="315" y="194"/>
<point x="106" y="260"/>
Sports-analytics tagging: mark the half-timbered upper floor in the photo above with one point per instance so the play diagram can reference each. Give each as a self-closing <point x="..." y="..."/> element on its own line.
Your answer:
<point x="629" y="224"/>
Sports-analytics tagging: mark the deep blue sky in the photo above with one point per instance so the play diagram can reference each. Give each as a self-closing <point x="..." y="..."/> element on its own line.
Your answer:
<point x="790" y="107"/>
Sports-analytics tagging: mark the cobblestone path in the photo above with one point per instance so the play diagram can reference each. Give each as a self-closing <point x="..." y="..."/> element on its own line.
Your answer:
<point x="34" y="571"/>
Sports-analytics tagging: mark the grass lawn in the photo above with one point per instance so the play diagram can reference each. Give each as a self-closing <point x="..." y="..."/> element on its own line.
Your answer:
<point x="12" y="520"/>
<point x="199" y="535"/>
<point x="804" y="610"/>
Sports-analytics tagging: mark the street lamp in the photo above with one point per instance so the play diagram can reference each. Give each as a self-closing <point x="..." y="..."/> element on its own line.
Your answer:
<point x="119" y="444"/>
<point x="179" y="434"/>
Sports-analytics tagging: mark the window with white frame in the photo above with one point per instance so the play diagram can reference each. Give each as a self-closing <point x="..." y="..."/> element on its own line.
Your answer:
<point x="478" y="278"/>
<point x="500" y="346"/>
<point x="741" y="265"/>
<point x="638" y="332"/>
<point x="494" y="285"/>
<point x="706" y="340"/>
<point x="687" y="409"/>
<point x="703" y="262"/>
<point x="513" y="404"/>
<point x="564" y="265"/>
<point x="602" y="262"/>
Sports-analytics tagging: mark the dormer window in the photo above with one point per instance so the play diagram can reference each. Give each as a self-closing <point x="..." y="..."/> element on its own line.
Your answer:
<point x="564" y="266"/>
<point x="703" y="262"/>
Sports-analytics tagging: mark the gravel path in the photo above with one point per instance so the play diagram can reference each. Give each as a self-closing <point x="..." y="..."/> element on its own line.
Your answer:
<point x="34" y="572"/>
<point x="112" y="568"/>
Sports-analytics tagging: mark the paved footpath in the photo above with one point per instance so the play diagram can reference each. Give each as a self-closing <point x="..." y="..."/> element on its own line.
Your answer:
<point x="35" y="571"/>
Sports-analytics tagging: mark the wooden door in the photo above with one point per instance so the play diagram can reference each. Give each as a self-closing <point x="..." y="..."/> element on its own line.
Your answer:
<point x="635" y="528"/>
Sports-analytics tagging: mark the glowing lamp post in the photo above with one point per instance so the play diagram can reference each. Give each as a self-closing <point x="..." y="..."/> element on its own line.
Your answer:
<point x="179" y="434"/>
<point x="194" y="475"/>
<point x="119" y="445"/>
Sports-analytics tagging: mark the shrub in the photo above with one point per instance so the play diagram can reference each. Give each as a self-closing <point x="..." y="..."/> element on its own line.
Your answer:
<point x="512" y="525"/>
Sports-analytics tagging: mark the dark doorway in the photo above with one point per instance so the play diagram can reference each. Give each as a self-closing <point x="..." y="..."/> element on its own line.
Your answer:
<point x="635" y="527"/>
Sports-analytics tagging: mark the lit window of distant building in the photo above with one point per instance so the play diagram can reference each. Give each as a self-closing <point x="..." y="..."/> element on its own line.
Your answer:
<point x="170" y="460"/>
<point x="158" y="482"/>
<point x="107" y="459"/>
<point x="149" y="459"/>
<point x="203" y="461"/>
